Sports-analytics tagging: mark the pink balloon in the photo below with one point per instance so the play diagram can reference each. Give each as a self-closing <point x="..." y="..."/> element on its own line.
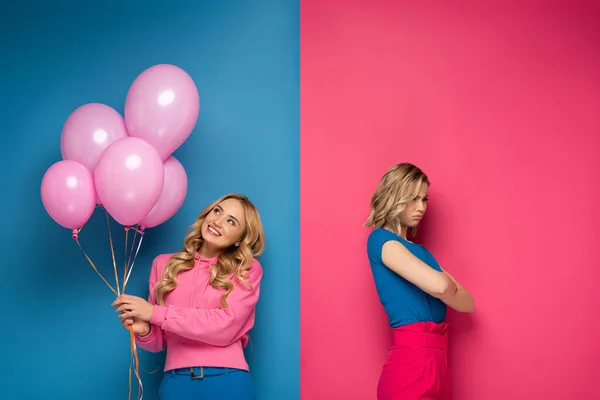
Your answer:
<point x="172" y="195"/>
<point x="129" y="179"/>
<point x="89" y="130"/>
<point x="162" y="107"/>
<point x="68" y="193"/>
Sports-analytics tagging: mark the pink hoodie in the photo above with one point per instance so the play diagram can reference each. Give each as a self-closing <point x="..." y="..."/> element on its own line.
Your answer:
<point x="191" y="328"/>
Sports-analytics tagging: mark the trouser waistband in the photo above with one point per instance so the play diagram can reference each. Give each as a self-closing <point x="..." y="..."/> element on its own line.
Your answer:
<point x="201" y="372"/>
<point x="421" y="334"/>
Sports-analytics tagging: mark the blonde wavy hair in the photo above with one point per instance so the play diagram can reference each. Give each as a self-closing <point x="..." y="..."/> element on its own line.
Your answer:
<point x="398" y="186"/>
<point x="236" y="260"/>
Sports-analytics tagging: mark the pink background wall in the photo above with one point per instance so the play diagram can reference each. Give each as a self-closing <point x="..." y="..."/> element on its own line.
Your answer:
<point x="501" y="107"/>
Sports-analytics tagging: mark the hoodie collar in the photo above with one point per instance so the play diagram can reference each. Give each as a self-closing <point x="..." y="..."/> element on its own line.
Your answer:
<point x="212" y="260"/>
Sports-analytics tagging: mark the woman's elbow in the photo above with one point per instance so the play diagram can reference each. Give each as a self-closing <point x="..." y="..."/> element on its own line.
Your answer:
<point x="467" y="308"/>
<point x="471" y="306"/>
<point x="446" y="287"/>
<point x="462" y="302"/>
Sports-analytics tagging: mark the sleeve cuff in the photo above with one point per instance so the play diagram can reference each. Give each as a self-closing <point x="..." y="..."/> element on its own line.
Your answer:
<point x="158" y="315"/>
<point x="146" y="338"/>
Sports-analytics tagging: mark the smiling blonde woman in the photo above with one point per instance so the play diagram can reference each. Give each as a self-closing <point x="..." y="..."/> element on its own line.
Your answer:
<point x="202" y="304"/>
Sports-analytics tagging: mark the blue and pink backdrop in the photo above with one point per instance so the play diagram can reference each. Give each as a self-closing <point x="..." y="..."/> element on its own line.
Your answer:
<point x="303" y="106"/>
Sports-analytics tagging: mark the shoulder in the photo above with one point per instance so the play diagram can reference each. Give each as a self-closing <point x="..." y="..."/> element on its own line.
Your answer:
<point x="381" y="232"/>
<point x="158" y="266"/>
<point x="375" y="243"/>
<point x="253" y="276"/>
<point x="379" y="236"/>
<point x="161" y="260"/>
<point x="255" y="271"/>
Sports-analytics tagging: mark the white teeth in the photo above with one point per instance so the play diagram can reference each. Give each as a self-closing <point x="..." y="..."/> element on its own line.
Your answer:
<point x="211" y="230"/>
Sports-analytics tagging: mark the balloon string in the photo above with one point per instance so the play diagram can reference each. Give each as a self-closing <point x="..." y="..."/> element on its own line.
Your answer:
<point x="93" y="266"/>
<point x="134" y="258"/>
<point x="134" y="360"/>
<point x="130" y="366"/>
<point x="112" y="250"/>
<point x="137" y="364"/>
<point x="135" y="232"/>
<point x="125" y="256"/>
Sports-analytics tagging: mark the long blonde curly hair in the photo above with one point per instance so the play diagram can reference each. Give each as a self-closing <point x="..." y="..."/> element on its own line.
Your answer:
<point x="236" y="260"/>
<point x="398" y="186"/>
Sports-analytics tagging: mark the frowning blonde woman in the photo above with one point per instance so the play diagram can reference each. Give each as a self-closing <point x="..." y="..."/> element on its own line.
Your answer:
<point x="202" y="304"/>
<point x="413" y="289"/>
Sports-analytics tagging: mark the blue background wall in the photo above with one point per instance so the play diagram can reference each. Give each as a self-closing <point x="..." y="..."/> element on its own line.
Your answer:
<point x="60" y="337"/>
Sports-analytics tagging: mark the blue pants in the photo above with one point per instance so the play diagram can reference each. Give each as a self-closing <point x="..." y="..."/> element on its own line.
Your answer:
<point x="206" y="383"/>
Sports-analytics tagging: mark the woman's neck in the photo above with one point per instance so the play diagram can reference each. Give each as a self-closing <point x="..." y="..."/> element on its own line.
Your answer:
<point x="403" y="231"/>
<point x="207" y="251"/>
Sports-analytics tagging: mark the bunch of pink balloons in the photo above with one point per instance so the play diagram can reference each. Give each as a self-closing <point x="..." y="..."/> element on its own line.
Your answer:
<point x="125" y="163"/>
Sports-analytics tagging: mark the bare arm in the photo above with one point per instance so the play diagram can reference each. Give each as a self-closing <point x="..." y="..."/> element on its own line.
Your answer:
<point x="399" y="259"/>
<point x="461" y="301"/>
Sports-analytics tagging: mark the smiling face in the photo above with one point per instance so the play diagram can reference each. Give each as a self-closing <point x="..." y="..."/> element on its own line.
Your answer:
<point x="223" y="227"/>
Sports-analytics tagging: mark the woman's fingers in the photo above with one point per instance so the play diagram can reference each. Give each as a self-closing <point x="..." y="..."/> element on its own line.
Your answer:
<point x="124" y="307"/>
<point x="125" y="299"/>
<point x="128" y="315"/>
